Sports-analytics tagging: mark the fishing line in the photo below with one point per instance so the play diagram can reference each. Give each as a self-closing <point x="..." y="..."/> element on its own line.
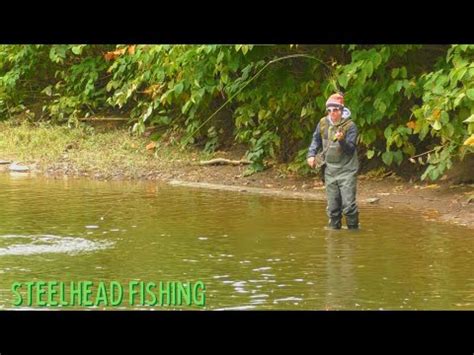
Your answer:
<point x="273" y="61"/>
<point x="331" y="80"/>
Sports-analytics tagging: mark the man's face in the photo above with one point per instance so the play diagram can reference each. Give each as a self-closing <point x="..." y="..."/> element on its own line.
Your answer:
<point x="335" y="113"/>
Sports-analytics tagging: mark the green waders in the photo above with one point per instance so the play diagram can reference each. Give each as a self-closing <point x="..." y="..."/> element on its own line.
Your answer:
<point x="340" y="178"/>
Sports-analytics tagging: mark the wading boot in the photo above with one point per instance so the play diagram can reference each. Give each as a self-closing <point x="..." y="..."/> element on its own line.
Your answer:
<point x="352" y="221"/>
<point x="334" y="223"/>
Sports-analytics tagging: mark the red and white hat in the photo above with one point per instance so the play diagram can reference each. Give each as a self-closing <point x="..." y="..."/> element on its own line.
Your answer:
<point x="335" y="100"/>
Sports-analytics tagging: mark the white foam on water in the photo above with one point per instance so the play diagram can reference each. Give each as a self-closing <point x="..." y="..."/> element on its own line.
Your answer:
<point x="239" y="308"/>
<point x="46" y="243"/>
<point x="190" y="260"/>
<point x="239" y="283"/>
<point x="287" y="299"/>
<point x="6" y="236"/>
<point x="258" y="301"/>
<point x="240" y="290"/>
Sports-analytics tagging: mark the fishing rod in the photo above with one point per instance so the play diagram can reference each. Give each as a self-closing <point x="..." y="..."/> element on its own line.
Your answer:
<point x="273" y="61"/>
<point x="331" y="79"/>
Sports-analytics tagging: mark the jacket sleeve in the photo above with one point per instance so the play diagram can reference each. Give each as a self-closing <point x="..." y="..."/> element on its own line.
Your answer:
<point x="316" y="143"/>
<point x="348" y="144"/>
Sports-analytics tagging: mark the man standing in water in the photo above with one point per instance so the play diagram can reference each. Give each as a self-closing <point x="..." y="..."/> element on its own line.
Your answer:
<point x="336" y="136"/>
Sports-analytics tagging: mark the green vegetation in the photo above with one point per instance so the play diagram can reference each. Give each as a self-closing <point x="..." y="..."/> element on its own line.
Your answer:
<point x="84" y="151"/>
<point x="412" y="103"/>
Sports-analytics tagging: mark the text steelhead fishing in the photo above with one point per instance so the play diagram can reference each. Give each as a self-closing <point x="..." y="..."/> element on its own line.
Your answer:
<point x="90" y="294"/>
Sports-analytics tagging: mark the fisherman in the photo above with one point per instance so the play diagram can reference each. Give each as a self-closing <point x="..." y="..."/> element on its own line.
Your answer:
<point x="335" y="137"/>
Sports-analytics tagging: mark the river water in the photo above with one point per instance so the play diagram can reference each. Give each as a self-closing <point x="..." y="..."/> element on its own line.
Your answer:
<point x="250" y="251"/>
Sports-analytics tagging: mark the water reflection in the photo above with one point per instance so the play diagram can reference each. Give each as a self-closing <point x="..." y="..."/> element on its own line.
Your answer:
<point x="341" y="282"/>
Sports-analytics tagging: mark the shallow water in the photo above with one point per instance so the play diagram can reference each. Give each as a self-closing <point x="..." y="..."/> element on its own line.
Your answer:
<point x="251" y="251"/>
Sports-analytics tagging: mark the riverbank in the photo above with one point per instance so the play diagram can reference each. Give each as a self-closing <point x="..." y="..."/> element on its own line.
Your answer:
<point x="116" y="155"/>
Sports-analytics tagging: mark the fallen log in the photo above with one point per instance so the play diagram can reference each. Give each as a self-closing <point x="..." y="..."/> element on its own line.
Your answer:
<point x="222" y="161"/>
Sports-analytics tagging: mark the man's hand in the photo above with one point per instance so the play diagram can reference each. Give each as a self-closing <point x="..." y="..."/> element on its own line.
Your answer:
<point x="311" y="162"/>
<point x="339" y="136"/>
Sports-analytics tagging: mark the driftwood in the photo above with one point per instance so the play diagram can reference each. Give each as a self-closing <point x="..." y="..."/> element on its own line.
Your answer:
<point x="20" y="168"/>
<point x="222" y="161"/>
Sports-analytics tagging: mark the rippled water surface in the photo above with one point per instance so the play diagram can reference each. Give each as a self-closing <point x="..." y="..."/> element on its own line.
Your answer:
<point x="252" y="252"/>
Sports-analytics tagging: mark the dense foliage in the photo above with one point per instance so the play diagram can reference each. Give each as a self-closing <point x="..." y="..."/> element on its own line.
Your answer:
<point x="411" y="102"/>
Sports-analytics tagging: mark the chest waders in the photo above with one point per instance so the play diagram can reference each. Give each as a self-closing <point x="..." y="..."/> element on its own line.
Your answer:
<point x="340" y="177"/>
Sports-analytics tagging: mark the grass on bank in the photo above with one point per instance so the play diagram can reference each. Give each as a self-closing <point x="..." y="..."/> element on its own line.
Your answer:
<point x="85" y="149"/>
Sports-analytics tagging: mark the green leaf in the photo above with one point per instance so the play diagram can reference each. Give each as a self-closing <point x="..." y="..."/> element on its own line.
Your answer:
<point x="220" y="56"/>
<point x="434" y="174"/>
<point x="458" y="99"/>
<point x="438" y="90"/>
<point x="343" y="80"/>
<point x="370" y="154"/>
<point x="449" y="129"/>
<point x="147" y="114"/>
<point x="444" y="117"/>
<point x="303" y="111"/>
<point x="77" y="50"/>
<point x="179" y="88"/>
<point x="377" y="59"/>
<point x="427" y="171"/>
<point x="57" y="53"/>
<point x="186" y="107"/>
<point x="48" y="91"/>
<point x="459" y="74"/>
<point x="398" y="157"/>
<point x="470" y="119"/>
<point x="470" y="128"/>
<point x="225" y="78"/>
<point x="470" y="94"/>
<point x="387" y="158"/>
<point x="371" y="135"/>
<point x="403" y="72"/>
<point x="436" y="125"/>
<point x="400" y="84"/>
<point x="369" y="69"/>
